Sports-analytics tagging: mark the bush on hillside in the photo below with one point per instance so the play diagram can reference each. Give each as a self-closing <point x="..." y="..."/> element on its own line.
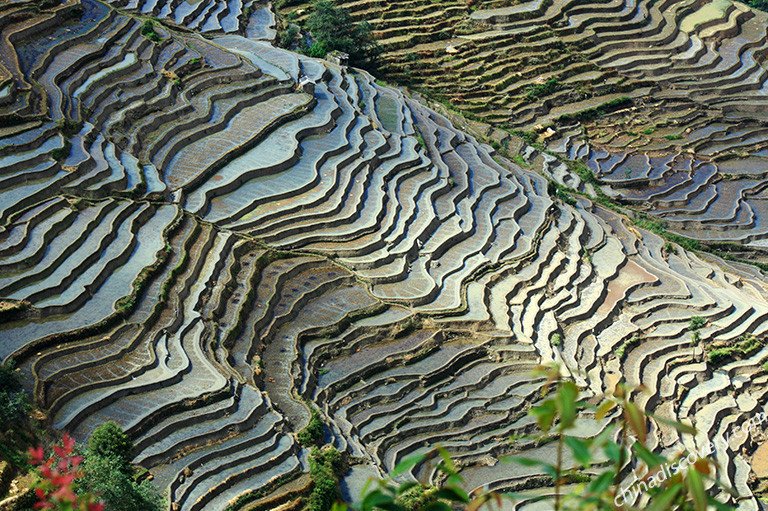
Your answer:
<point x="109" y="440"/>
<point x="14" y="402"/>
<point x="106" y="477"/>
<point x="333" y="29"/>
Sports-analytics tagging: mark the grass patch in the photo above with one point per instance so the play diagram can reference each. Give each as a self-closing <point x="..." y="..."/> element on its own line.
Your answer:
<point x="659" y="227"/>
<point x="314" y="432"/>
<point x="596" y="112"/>
<point x="518" y="159"/>
<point x="623" y="350"/>
<point x="746" y="346"/>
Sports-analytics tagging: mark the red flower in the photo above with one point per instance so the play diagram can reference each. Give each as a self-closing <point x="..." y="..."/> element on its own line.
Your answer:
<point x="96" y="506"/>
<point x="36" y="455"/>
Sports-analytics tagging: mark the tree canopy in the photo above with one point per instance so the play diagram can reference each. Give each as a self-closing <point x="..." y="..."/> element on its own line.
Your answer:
<point x="333" y="28"/>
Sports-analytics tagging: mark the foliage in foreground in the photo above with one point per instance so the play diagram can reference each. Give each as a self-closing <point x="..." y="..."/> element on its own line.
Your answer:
<point x="595" y="481"/>
<point x="101" y="479"/>
<point x="59" y="474"/>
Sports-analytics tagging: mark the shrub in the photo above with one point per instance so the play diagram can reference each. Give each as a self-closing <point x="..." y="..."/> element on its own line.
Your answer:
<point x="696" y="323"/>
<point x="288" y="37"/>
<point x="746" y="346"/>
<point x="313" y="432"/>
<point x="417" y="498"/>
<point x="61" y="153"/>
<point x="542" y="89"/>
<point x="14" y="402"/>
<point x="325" y="467"/>
<point x="148" y="31"/>
<point x="110" y="441"/>
<point x="332" y="29"/>
<point x="106" y="476"/>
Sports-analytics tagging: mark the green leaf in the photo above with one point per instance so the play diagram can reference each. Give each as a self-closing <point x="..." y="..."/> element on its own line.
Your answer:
<point x="719" y="505"/>
<point x="448" y="467"/>
<point x="547" y="468"/>
<point x="378" y="500"/>
<point x="567" y="396"/>
<point x="679" y="426"/>
<point x="602" y="483"/>
<point x="580" y="450"/>
<point x="663" y="500"/>
<point x="545" y="414"/>
<point x="407" y="464"/>
<point x="603" y="410"/>
<point x="453" y="494"/>
<point x="696" y="490"/>
<point x="613" y="451"/>
<point x="651" y="459"/>
<point x="636" y="420"/>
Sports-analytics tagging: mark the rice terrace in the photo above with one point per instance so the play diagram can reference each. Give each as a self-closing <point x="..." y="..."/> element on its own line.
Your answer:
<point x="275" y="255"/>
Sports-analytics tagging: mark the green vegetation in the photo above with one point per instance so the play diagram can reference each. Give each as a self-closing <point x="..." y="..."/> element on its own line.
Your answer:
<point x="61" y="153"/>
<point x="623" y="350"/>
<point x="746" y="346"/>
<point x="314" y="431"/>
<point x="581" y="169"/>
<point x="325" y="468"/>
<point x="110" y="441"/>
<point x="542" y="89"/>
<point x="14" y="407"/>
<point x="519" y="160"/>
<point x="565" y="194"/>
<point x="598" y="111"/>
<point x="673" y="137"/>
<point x="69" y="127"/>
<point x="557" y="340"/>
<point x="758" y="4"/>
<point x="148" y="31"/>
<point x="108" y="473"/>
<point x="418" y="497"/>
<point x="333" y="29"/>
<point x="696" y="323"/>
<point x="288" y="37"/>
<point x="105" y="477"/>
<point x="659" y="227"/>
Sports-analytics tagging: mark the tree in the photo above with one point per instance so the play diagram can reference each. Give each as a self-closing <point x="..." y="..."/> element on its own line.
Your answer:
<point x="105" y="476"/>
<point x="332" y="28"/>
<point x="109" y="440"/>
